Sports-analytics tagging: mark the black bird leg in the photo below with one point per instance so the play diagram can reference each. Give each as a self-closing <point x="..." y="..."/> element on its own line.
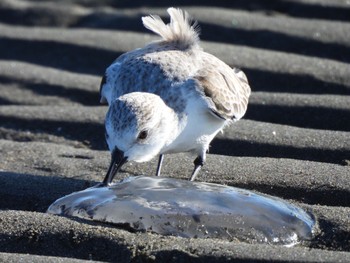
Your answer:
<point x="198" y="163"/>
<point x="160" y="162"/>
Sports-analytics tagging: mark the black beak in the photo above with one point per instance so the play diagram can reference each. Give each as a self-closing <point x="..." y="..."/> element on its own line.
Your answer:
<point x="117" y="161"/>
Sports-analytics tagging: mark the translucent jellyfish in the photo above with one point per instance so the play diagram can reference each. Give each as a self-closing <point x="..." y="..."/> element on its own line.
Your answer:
<point x="190" y="209"/>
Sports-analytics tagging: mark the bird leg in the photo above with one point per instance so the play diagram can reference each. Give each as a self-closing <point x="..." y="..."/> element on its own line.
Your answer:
<point x="160" y="161"/>
<point x="198" y="163"/>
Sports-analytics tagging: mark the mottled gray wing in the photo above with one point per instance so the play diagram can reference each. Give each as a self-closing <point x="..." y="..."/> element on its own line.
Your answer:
<point x="227" y="90"/>
<point x="108" y="82"/>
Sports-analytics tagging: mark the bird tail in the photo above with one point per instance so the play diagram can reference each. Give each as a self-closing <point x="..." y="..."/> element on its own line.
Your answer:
<point x="180" y="30"/>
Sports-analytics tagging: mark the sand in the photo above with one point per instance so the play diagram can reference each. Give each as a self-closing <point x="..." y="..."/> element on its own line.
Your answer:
<point x="293" y="142"/>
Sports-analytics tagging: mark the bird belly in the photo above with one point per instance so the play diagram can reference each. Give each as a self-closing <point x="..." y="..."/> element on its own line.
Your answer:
<point x="198" y="132"/>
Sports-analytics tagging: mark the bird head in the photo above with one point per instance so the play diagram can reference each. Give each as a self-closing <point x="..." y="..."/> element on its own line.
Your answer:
<point x="138" y="125"/>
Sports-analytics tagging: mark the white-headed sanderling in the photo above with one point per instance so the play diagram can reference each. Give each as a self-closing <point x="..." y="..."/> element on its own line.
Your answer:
<point x="169" y="96"/>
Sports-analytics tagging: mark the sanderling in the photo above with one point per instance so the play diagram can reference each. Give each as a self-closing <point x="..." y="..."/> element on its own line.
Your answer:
<point x="169" y="96"/>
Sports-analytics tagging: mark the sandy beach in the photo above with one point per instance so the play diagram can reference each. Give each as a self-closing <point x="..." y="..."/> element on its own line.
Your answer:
<point x="292" y="143"/>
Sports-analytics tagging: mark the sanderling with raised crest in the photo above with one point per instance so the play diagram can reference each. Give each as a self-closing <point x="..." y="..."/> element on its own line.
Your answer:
<point x="169" y="96"/>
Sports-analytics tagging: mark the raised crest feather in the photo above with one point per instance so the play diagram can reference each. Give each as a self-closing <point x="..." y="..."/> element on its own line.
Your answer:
<point x="180" y="30"/>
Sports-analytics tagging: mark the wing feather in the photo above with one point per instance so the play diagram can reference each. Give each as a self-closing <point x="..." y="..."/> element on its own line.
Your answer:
<point x="227" y="90"/>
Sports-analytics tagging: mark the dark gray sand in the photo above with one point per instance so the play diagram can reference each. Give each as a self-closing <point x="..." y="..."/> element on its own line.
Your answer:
<point x="293" y="142"/>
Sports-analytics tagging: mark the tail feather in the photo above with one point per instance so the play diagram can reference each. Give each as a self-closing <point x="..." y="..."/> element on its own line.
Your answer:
<point x="180" y="29"/>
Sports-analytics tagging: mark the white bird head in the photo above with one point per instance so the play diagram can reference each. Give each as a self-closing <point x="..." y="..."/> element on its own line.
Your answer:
<point x="138" y="125"/>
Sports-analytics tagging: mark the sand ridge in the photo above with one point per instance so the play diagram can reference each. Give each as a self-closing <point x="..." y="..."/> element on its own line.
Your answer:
<point x="292" y="143"/>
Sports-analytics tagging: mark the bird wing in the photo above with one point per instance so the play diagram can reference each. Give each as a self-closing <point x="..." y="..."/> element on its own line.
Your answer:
<point x="226" y="90"/>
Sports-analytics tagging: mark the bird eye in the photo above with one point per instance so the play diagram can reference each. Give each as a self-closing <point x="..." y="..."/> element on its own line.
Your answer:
<point x="142" y="135"/>
<point x="106" y="136"/>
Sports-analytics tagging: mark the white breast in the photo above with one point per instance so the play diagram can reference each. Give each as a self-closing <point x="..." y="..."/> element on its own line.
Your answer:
<point x="196" y="129"/>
